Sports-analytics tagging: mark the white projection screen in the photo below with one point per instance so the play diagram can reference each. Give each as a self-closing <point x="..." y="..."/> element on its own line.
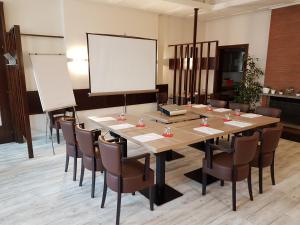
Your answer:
<point x="53" y="81"/>
<point x="120" y="64"/>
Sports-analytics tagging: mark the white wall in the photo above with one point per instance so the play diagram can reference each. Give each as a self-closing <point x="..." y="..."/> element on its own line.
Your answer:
<point x="252" y="29"/>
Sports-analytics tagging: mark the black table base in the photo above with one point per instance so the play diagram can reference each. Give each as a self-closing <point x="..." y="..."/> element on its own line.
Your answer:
<point x="172" y="155"/>
<point x="196" y="175"/>
<point x="163" y="195"/>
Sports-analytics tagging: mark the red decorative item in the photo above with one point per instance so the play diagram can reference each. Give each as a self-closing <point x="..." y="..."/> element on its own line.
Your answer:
<point x="237" y="114"/>
<point x="168" y="135"/>
<point x="204" y="125"/>
<point x="121" y="119"/>
<point x="140" y="125"/>
<point x="226" y="120"/>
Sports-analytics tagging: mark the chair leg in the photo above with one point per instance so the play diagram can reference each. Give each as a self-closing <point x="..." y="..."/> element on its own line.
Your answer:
<point x="151" y="197"/>
<point x="250" y="184"/>
<point x="260" y="177"/>
<point x="234" y="195"/>
<point x="204" y="180"/>
<point x="118" y="202"/>
<point x="57" y="136"/>
<point x="273" y="173"/>
<point x="81" y="173"/>
<point x="222" y="183"/>
<point x="75" y="168"/>
<point x="67" y="163"/>
<point x="217" y="141"/>
<point x="93" y="183"/>
<point x="104" y="191"/>
<point x="133" y="193"/>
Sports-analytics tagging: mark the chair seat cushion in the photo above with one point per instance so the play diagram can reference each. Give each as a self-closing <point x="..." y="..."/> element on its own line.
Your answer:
<point x="267" y="158"/>
<point x="222" y="167"/>
<point x="132" y="177"/>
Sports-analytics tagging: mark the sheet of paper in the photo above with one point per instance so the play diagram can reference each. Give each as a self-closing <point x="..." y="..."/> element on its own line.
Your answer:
<point x="222" y="110"/>
<point x="101" y="119"/>
<point x="199" y="106"/>
<point x="147" y="137"/>
<point x="238" y="123"/>
<point x="121" y="126"/>
<point x="208" y="130"/>
<point x="250" y="115"/>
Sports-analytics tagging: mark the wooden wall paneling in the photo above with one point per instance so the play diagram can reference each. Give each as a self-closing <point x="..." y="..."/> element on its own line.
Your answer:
<point x="175" y="78"/>
<point x="200" y="71"/>
<point x="180" y="75"/>
<point x="84" y="102"/>
<point x="207" y="71"/>
<point x="187" y="69"/>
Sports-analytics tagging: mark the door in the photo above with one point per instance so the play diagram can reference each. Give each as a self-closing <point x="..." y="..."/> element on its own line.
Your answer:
<point x="6" y="128"/>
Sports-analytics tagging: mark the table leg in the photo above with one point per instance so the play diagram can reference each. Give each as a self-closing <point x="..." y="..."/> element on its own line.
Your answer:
<point x="172" y="155"/>
<point x="196" y="175"/>
<point x="163" y="192"/>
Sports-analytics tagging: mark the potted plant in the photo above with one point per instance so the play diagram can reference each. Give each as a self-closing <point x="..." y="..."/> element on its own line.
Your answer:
<point x="249" y="90"/>
<point x="266" y="90"/>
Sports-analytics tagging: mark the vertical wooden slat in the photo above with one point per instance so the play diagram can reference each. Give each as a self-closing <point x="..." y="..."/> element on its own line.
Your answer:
<point x="187" y="56"/>
<point x="194" y="51"/>
<point x="180" y="75"/>
<point x="200" y="71"/>
<point x="215" y="63"/>
<point x="207" y="71"/>
<point x="175" y="70"/>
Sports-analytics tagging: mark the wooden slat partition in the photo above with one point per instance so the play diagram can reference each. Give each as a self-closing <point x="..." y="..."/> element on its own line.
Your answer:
<point x="17" y="90"/>
<point x="192" y="80"/>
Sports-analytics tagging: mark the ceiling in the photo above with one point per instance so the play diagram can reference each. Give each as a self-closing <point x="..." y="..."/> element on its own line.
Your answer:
<point x="208" y="9"/>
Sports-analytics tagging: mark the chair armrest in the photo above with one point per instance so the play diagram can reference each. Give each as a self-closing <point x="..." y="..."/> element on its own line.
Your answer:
<point x="146" y="165"/>
<point x="220" y="148"/>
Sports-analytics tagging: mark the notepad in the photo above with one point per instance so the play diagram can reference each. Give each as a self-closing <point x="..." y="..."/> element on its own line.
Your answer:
<point x="199" y="106"/>
<point x="250" y="115"/>
<point x="238" y="124"/>
<point x="101" y="119"/>
<point x="121" y="126"/>
<point x="222" y="110"/>
<point x="208" y="130"/>
<point x="147" y="137"/>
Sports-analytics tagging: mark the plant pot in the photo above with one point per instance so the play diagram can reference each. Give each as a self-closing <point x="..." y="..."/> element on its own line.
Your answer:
<point x="266" y="90"/>
<point x="273" y="91"/>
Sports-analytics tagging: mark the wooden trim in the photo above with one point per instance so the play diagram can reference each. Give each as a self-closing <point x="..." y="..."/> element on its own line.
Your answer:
<point x="42" y="35"/>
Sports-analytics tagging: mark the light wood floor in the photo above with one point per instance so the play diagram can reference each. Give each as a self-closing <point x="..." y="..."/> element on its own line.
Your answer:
<point x="38" y="192"/>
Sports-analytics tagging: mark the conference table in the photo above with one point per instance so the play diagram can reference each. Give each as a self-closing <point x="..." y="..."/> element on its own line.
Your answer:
<point x="186" y="132"/>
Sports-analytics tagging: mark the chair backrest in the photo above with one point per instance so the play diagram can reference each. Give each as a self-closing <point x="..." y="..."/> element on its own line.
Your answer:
<point x="68" y="129"/>
<point x="270" y="138"/>
<point x="85" y="141"/>
<point x="242" y="107"/>
<point x="268" y="111"/>
<point x="111" y="156"/>
<point x="245" y="149"/>
<point x="217" y="103"/>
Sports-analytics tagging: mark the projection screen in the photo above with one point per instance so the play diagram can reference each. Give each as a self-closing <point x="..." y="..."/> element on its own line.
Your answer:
<point x="120" y="64"/>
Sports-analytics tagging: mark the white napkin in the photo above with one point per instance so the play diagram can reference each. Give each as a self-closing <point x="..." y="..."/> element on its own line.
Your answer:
<point x="199" y="106"/>
<point x="101" y="119"/>
<point x="250" y="115"/>
<point x="121" y="126"/>
<point x="208" y="130"/>
<point x="238" y="123"/>
<point x="147" y="137"/>
<point x="222" y="110"/>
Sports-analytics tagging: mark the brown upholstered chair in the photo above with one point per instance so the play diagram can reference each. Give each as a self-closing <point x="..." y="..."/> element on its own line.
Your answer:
<point x="217" y="103"/>
<point x="72" y="149"/>
<point x="242" y="107"/>
<point x="265" y="153"/>
<point x="91" y="158"/>
<point x="124" y="175"/>
<point x="268" y="111"/>
<point x="232" y="164"/>
<point x="55" y="117"/>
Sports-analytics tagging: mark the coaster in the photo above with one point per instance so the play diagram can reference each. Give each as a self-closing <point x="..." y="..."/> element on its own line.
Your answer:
<point x="120" y="119"/>
<point x="139" y="125"/>
<point x="204" y="125"/>
<point x="226" y="120"/>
